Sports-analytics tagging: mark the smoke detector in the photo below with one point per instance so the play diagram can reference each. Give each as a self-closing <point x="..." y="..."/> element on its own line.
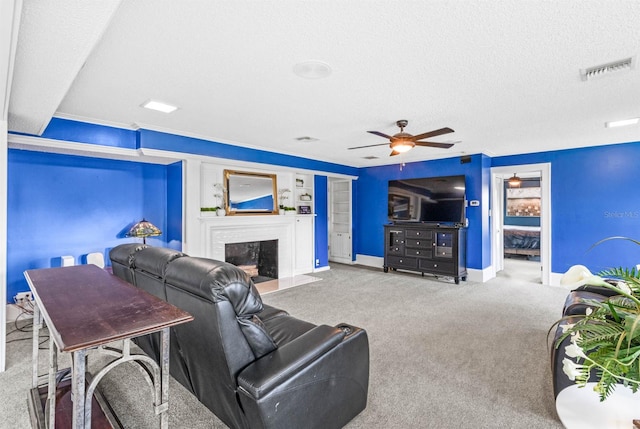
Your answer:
<point x="606" y="69"/>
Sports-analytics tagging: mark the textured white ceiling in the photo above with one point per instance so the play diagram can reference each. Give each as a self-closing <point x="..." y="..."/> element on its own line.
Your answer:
<point x="503" y="74"/>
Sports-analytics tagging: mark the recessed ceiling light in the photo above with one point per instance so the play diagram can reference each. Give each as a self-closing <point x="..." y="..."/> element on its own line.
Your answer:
<point x="159" y="106"/>
<point x="622" y="123"/>
<point x="312" y="69"/>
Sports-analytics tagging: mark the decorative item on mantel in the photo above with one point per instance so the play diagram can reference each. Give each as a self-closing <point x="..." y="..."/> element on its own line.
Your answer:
<point x="144" y="229"/>
<point x="299" y="183"/>
<point x="305" y="197"/>
<point x="282" y="197"/>
<point x="221" y="198"/>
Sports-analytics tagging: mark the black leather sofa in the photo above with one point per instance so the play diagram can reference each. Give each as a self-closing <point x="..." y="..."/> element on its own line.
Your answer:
<point x="252" y="365"/>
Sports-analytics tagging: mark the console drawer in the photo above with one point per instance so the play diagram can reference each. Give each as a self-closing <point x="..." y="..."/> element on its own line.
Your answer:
<point x="402" y="262"/>
<point x="416" y="233"/>
<point x="437" y="266"/>
<point x="423" y="243"/>
<point x="421" y="253"/>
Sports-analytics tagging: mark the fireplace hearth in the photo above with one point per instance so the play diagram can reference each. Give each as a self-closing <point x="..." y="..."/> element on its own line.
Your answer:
<point x="259" y="259"/>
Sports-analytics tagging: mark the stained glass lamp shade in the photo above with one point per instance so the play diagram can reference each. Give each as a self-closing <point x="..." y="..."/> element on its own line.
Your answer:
<point x="144" y="229"/>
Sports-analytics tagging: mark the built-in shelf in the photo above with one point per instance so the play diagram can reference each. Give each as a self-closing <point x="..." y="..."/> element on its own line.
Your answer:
<point x="303" y="194"/>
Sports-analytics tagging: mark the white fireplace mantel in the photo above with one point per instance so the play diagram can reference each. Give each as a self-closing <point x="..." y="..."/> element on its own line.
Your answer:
<point x="216" y="231"/>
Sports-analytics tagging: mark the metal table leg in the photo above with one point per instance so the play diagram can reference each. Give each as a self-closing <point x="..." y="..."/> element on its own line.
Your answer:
<point x="164" y="376"/>
<point x="51" y="384"/>
<point x="37" y="324"/>
<point x="77" y="388"/>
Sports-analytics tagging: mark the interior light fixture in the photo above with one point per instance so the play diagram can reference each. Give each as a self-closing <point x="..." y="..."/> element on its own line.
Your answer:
<point x="144" y="229"/>
<point x="515" y="181"/>
<point x="312" y="69"/>
<point x="159" y="106"/>
<point x="402" y="146"/>
<point x="622" y="123"/>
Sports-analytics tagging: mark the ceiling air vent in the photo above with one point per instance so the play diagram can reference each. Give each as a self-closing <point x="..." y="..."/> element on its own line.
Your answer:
<point x="605" y="69"/>
<point x="370" y="157"/>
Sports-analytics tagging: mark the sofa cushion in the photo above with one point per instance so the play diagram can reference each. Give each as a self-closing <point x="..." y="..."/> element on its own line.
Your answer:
<point x="218" y="281"/>
<point x="154" y="260"/>
<point x="285" y="328"/>
<point x="124" y="254"/>
<point x="122" y="257"/>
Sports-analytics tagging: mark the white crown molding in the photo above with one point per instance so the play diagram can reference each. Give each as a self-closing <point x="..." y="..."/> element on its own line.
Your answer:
<point x="40" y="144"/>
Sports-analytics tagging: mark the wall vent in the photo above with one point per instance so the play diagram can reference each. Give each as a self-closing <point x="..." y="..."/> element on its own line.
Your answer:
<point x="606" y="69"/>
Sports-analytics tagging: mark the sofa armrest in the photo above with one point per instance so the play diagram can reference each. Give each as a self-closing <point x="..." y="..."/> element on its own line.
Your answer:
<point x="268" y="372"/>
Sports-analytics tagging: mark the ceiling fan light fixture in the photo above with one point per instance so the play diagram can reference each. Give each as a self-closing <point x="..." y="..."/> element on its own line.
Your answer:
<point x="515" y="181"/>
<point x="402" y="146"/>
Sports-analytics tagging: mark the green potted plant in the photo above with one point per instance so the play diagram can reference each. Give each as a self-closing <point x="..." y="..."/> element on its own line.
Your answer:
<point x="606" y="340"/>
<point x="289" y="210"/>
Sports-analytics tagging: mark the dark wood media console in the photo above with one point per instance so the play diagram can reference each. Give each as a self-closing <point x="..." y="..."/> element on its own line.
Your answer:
<point x="432" y="249"/>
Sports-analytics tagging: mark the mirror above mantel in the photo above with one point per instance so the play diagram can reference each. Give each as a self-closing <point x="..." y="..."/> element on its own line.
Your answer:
<point x="250" y="193"/>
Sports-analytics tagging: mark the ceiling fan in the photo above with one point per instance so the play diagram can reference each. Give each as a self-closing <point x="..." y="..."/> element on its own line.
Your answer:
<point x="403" y="142"/>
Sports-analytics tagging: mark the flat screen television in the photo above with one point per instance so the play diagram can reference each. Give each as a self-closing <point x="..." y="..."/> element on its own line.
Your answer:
<point x="437" y="200"/>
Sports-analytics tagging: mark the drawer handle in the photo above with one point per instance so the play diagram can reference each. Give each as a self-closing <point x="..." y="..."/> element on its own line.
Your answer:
<point x="418" y="243"/>
<point x="418" y="252"/>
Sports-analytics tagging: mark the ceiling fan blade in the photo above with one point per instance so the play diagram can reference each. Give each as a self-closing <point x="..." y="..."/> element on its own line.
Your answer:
<point x="378" y="133"/>
<point x="371" y="145"/>
<point x="394" y="153"/>
<point x="434" y="144"/>
<point x="433" y="133"/>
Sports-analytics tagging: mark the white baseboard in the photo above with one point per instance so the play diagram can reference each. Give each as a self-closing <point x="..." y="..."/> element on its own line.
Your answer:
<point x="554" y="279"/>
<point x="370" y="261"/>
<point x="317" y="270"/>
<point x="13" y="311"/>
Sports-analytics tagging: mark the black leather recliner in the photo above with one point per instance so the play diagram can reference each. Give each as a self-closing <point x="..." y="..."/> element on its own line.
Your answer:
<point x="252" y="365"/>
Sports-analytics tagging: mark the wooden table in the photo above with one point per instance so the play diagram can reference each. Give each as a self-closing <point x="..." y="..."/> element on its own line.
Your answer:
<point x="85" y="308"/>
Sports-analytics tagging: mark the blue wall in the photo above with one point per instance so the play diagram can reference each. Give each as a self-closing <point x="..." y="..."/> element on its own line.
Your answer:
<point x="371" y="202"/>
<point x="71" y="205"/>
<point x="594" y="195"/>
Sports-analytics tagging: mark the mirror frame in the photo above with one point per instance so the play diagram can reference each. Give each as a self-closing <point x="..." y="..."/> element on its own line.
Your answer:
<point x="274" y="193"/>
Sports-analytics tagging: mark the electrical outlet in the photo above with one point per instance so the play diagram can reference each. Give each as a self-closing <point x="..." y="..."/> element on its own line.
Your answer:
<point x="22" y="297"/>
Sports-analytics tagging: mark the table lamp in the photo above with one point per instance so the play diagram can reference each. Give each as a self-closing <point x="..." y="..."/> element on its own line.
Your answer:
<point x="144" y="229"/>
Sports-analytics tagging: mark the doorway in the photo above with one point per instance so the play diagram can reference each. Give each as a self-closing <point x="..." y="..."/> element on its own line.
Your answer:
<point x="521" y="222"/>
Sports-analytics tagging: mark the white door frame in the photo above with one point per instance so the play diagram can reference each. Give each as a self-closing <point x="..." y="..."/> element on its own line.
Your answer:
<point x="497" y="239"/>
<point x="545" y="214"/>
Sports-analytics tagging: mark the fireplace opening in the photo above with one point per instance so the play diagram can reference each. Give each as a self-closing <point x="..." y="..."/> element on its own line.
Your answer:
<point x="259" y="259"/>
